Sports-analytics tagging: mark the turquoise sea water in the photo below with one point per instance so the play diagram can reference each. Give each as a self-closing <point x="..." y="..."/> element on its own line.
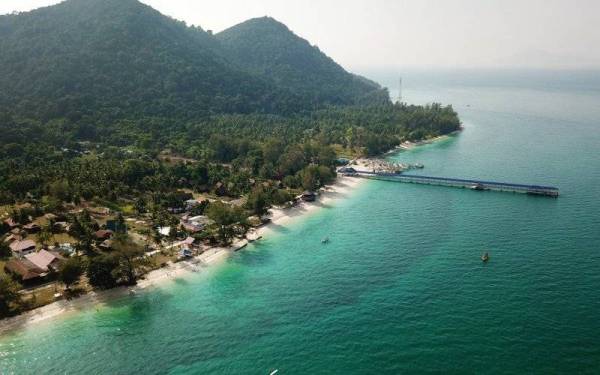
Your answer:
<point x="400" y="288"/>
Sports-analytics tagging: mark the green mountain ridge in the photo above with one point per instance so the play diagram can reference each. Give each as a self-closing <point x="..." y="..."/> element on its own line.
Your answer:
<point x="269" y="48"/>
<point x="122" y="58"/>
<point x="92" y="89"/>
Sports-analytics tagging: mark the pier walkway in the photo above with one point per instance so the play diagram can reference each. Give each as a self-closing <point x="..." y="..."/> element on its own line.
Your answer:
<point x="549" y="191"/>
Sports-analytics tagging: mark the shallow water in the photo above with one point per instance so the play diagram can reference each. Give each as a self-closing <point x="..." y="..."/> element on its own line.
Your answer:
<point x="400" y="288"/>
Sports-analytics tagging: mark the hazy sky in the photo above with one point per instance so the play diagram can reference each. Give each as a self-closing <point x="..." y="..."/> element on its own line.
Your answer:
<point x="404" y="33"/>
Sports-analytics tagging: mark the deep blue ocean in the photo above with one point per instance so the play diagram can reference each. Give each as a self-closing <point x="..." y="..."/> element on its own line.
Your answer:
<point x="401" y="287"/>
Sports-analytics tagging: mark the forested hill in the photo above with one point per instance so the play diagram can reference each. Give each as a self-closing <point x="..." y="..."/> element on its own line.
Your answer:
<point x="267" y="47"/>
<point x="114" y="59"/>
<point x="89" y="88"/>
<point x="122" y="58"/>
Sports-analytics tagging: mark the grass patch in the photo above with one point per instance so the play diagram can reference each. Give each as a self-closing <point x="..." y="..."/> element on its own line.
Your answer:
<point x="108" y="204"/>
<point x="346" y="152"/>
<point x="2" y="263"/>
<point x="127" y="209"/>
<point x="41" y="297"/>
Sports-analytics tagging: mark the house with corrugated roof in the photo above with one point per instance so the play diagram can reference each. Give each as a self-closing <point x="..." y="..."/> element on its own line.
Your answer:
<point x="23" y="270"/>
<point x="45" y="260"/>
<point x="22" y="247"/>
<point x="103" y="234"/>
<point x="11" y="224"/>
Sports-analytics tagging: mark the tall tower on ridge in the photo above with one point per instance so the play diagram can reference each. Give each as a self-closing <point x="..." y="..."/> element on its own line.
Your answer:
<point x="400" y="91"/>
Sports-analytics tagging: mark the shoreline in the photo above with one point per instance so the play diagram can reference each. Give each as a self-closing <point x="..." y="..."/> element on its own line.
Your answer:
<point x="279" y="217"/>
<point x="407" y="145"/>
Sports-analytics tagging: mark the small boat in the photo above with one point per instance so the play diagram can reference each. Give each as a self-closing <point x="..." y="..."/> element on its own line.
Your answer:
<point x="478" y="187"/>
<point x="274" y="372"/>
<point x="325" y="240"/>
<point x="485" y="257"/>
<point x="419" y="166"/>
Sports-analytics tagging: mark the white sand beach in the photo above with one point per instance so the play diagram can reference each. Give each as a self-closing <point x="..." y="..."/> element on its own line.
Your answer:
<point x="328" y="195"/>
<point x="279" y="217"/>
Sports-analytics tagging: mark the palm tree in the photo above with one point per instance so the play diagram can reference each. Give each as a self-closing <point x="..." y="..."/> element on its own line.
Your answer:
<point x="44" y="236"/>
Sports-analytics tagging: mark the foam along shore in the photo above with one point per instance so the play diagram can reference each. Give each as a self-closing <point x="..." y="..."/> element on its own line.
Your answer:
<point x="278" y="217"/>
<point x="99" y="298"/>
<point x="407" y="145"/>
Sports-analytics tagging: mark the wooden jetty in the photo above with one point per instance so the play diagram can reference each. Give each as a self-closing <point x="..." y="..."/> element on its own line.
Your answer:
<point x="478" y="185"/>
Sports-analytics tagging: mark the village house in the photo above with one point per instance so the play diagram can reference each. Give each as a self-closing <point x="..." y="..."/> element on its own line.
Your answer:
<point x="66" y="248"/>
<point x="221" y="189"/>
<point x="164" y="231"/>
<point x="45" y="260"/>
<point x="11" y="224"/>
<point x="200" y="220"/>
<point x="99" y="211"/>
<point x="116" y="226"/>
<point x="190" y="204"/>
<point x="186" y="247"/>
<point x="103" y="234"/>
<point x="62" y="226"/>
<point x="106" y="245"/>
<point x="22" y="247"/>
<point x="50" y="216"/>
<point x="195" y="224"/>
<point x="33" y="266"/>
<point x="176" y="210"/>
<point x="23" y="270"/>
<point x="191" y="228"/>
<point x="309" y="196"/>
<point x="13" y="237"/>
<point x="32" y="228"/>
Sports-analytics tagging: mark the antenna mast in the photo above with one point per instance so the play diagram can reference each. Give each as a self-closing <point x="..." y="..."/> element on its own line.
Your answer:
<point x="400" y="91"/>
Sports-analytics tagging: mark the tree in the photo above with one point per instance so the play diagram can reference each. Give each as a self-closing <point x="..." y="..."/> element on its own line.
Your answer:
<point x="291" y="181"/>
<point x="310" y="178"/>
<point x="45" y="235"/>
<point x="272" y="150"/>
<point x="59" y="190"/>
<point x="130" y="260"/>
<point x="70" y="271"/>
<point x="101" y="271"/>
<point x="140" y="206"/>
<point x="9" y="295"/>
<point x="326" y="156"/>
<point x="224" y="216"/>
<point x="315" y="176"/>
<point x="281" y="196"/>
<point x="5" y="251"/>
<point x="121" y="226"/>
<point x="83" y="229"/>
<point x="291" y="161"/>
<point x="258" y="201"/>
